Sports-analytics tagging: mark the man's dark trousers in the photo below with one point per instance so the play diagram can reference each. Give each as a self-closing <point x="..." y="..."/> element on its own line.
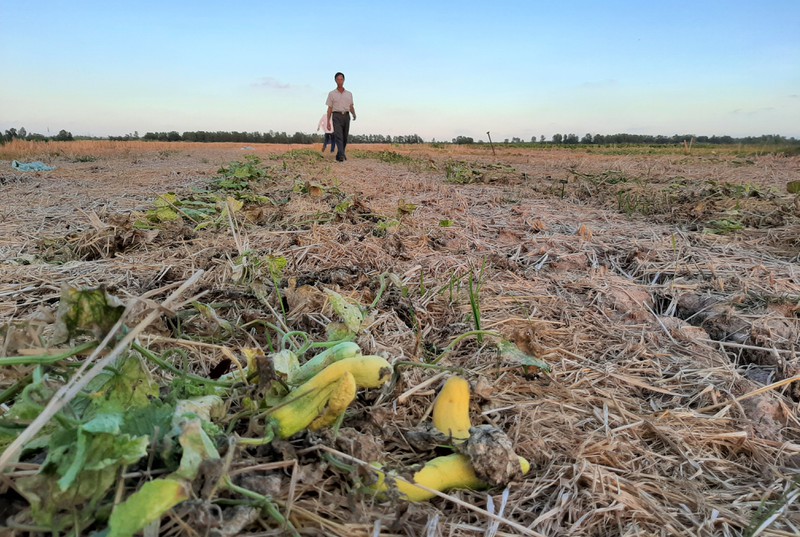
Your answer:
<point x="341" y="128"/>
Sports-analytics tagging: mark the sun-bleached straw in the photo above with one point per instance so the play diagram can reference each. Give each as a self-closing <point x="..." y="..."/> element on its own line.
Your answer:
<point x="748" y="395"/>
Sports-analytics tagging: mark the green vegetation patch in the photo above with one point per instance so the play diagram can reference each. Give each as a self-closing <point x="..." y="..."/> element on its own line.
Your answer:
<point x="230" y="192"/>
<point x="462" y="173"/>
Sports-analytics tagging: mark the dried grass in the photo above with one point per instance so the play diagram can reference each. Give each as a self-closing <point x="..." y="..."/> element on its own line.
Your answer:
<point x="646" y="425"/>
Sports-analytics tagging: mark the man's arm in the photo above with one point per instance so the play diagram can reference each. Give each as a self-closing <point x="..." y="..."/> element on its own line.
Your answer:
<point x="353" y="111"/>
<point x="330" y="111"/>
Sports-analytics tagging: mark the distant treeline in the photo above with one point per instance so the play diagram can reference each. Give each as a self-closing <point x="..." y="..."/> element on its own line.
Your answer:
<point x="272" y="137"/>
<point x="624" y="138"/>
<point x="22" y="134"/>
<point x="599" y="139"/>
<point x="633" y="139"/>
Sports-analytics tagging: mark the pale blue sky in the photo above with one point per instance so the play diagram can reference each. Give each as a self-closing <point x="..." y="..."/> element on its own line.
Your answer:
<point x="437" y="69"/>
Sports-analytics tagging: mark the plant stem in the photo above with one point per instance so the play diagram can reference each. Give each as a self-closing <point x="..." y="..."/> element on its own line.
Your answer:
<point x="266" y="504"/>
<point x="46" y="358"/>
<point x="405" y="363"/>
<point x="382" y="280"/>
<point x="169" y="367"/>
<point x="474" y="304"/>
<point x="263" y="441"/>
<point x="9" y="393"/>
<point x="302" y="348"/>
<point x="474" y="299"/>
<point x="447" y="350"/>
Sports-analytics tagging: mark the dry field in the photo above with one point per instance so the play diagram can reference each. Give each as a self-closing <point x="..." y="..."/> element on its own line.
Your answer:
<point x="662" y="289"/>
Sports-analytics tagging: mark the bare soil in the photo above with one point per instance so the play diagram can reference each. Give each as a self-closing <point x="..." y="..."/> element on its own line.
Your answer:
<point x="662" y="289"/>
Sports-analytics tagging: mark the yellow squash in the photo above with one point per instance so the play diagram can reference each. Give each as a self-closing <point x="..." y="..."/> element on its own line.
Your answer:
<point x="442" y="473"/>
<point x="451" y="409"/>
<point x="312" y="367"/>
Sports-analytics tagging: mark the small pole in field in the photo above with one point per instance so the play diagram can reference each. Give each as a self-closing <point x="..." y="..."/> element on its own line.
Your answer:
<point x="490" y="142"/>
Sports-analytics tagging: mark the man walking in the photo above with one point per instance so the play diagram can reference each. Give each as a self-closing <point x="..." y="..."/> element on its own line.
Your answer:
<point x="340" y="106"/>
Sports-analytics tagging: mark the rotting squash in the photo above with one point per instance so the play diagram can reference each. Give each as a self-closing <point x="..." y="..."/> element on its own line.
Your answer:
<point x="451" y="409"/>
<point x="341" y="397"/>
<point x="442" y="473"/>
<point x="304" y="404"/>
<point x="297" y="410"/>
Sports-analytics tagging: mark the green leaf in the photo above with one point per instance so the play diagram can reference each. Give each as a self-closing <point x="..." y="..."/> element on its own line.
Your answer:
<point x="86" y="310"/>
<point x="197" y="447"/>
<point x="230" y="184"/>
<point x="204" y="407"/>
<point x="198" y="215"/>
<point x="230" y="205"/>
<point x="161" y="214"/>
<point x="350" y="314"/>
<point x="724" y="226"/>
<point x="385" y="226"/>
<point x="129" y="385"/>
<point x="80" y="469"/>
<point x="243" y="172"/>
<point x="144" y="224"/>
<point x="793" y="187"/>
<point x="404" y="207"/>
<point x="146" y="506"/>
<point x="164" y="214"/>
<point x="103" y="423"/>
<point x="255" y="198"/>
<point x="59" y="509"/>
<point x="104" y="451"/>
<point x="29" y="403"/>
<point x="344" y="206"/>
<point x="209" y="314"/>
<point x="78" y="460"/>
<point x="285" y="364"/>
<point x="166" y="200"/>
<point x="153" y="420"/>
<point x="277" y="265"/>
<point x="337" y="331"/>
<point x="510" y="352"/>
<point x="84" y="457"/>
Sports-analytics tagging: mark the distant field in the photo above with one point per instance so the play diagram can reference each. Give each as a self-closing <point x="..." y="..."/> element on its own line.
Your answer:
<point x="21" y="149"/>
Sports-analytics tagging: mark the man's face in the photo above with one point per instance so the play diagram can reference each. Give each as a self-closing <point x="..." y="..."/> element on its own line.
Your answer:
<point x="339" y="81"/>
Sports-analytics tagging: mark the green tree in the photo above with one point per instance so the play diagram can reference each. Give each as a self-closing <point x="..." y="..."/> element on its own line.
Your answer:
<point x="63" y="136"/>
